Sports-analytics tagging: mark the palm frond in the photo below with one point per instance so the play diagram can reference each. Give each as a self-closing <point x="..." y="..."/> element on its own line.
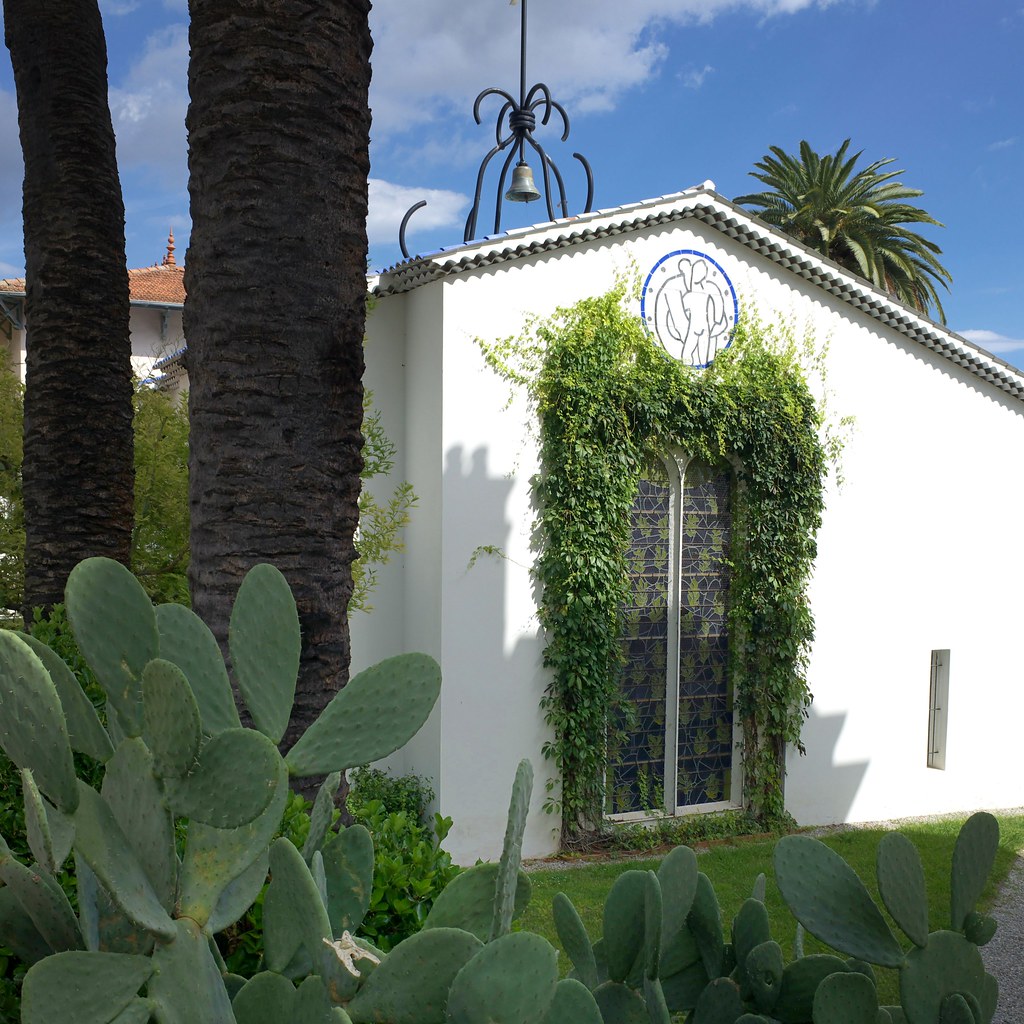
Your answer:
<point x="856" y="217"/>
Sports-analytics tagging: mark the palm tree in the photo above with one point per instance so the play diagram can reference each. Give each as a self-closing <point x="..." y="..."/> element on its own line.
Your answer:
<point x="78" y="470"/>
<point x="855" y="219"/>
<point x="275" y="278"/>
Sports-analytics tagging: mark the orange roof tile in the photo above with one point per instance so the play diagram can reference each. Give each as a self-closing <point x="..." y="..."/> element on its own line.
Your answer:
<point x="165" y="283"/>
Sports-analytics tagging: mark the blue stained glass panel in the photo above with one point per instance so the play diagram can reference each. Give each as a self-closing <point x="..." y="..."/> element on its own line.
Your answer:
<point x="705" y="696"/>
<point x="636" y="768"/>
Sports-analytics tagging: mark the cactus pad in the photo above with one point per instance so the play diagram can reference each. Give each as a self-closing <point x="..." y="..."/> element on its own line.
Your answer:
<point x="652" y="926"/>
<point x="677" y="874"/>
<point x="239" y="895"/>
<point x="134" y="797"/>
<point x="510" y="981"/>
<point x="572" y="1004"/>
<point x="846" y="999"/>
<point x="265" y="644"/>
<point x="948" y="964"/>
<point x="19" y="933"/>
<point x="232" y="782"/>
<point x="956" y="1010"/>
<point x="979" y="928"/>
<point x="37" y="825"/>
<point x="348" y="866"/>
<point x="104" y="847"/>
<point x="973" y="857"/>
<point x="214" y="857"/>
<point x="705" y="922"/>
<point x="411" y="984"/>
<point x="376" y="713"/>
<point x="87" y="988"/>
<point x="467" y="901"/>
<point x="84" y="730"/>
<point x="187" y="641"/>
<point x="293" y="913"/>
<point x="170" y="718"/>
<point x="267" y="998"/>
<point x="901" y="884"/>
<point x="115" y="627"/>
<point x="624" y="923"/>
<point x="719" y="1003"/>
<point x="186" y="984"/>
<point x="575" y="941"/>
<point x="322" y="816"/>
<point x="619" y="1003"/>
<point x="45" y="903"/>
<point x="764" y="970"/>
<point x="506" y="886"/>
<point x="32" y="729"/>
<point x="800" y="980"/>
<point x="830" y="901"/>
<point x="749" y="929"/>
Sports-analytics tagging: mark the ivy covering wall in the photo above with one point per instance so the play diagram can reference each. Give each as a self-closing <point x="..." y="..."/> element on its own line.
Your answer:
<point x="608" y="401"/>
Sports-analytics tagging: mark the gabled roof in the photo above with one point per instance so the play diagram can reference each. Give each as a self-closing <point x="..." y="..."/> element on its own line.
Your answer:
<point x="162" y="284"/>
<point x="703" y="204"/>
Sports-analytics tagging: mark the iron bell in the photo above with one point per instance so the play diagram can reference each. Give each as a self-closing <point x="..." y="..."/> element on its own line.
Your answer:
<point x="522" y="189"/>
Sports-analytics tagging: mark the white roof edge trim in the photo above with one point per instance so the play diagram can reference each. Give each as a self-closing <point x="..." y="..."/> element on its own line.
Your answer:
<point x="724" y="216"/>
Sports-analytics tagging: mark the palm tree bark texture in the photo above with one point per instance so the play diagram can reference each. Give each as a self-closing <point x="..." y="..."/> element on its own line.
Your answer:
<point x="275" y="277"/>
<point x="78" y="472"/>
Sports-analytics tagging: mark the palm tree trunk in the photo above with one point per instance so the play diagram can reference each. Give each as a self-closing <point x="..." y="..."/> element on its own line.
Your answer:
<point x="275" y="278"/>
<point x="78" y="471"/>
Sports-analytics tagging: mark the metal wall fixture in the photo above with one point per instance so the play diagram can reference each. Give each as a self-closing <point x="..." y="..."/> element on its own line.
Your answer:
<point x="517" y="120"/>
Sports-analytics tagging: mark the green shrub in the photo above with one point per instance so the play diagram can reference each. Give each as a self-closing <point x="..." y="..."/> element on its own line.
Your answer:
<point x="409" y="871"/>
<point x="685" y="831"/>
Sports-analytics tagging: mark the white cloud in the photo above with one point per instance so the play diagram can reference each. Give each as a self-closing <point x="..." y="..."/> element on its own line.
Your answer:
<point x="148" y="107"/>
<point x="993" y="342"/>
<point x="389" y="203"/>
<point x="694" y="77"/>
<point x="434" y="55"/>
<point x="1003" y="143"/>
<point x="115" y="8"/>
<point x="12" y="167"/>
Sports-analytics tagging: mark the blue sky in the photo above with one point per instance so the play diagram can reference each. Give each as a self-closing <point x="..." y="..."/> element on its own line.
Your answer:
<point x="662" y="94"/>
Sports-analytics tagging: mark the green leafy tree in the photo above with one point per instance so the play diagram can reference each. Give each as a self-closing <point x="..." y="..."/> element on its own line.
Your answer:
<point x="12" y="507"/>
<point x="380" y="521"/>
<point x="855" y="217"/>
<point x="160" y="551"/>
<point x="160" y="537"/>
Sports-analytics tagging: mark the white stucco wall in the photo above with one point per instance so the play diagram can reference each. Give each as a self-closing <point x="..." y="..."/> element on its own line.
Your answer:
<point x="155" y="332"/>
<point x="916" y="553"/>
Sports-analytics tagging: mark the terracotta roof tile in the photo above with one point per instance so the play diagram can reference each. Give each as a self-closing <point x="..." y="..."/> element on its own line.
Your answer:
<point x="164" y="283"/>
<point x="161" y="283"/>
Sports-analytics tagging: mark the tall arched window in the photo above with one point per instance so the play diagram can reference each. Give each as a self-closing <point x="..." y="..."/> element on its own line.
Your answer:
<point x="671" y="739"/>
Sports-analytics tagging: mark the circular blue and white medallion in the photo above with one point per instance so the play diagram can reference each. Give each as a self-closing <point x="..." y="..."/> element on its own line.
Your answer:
<point x="690" y="306"/>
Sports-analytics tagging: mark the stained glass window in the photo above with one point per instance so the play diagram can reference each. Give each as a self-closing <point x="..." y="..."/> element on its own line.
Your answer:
<point x="698" y="683"/>
<point x="636" y="778"/>
<point x="705" y="694"/>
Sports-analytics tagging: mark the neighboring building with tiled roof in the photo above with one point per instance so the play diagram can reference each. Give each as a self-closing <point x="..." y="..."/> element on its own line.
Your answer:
<point x="157" y="296"/>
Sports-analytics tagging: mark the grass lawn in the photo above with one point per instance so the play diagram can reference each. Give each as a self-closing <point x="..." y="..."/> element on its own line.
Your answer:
<point x="733" y="867"/>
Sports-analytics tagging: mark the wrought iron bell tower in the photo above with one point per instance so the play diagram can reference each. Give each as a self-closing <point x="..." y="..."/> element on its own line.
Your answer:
<point x="516" y="122"/>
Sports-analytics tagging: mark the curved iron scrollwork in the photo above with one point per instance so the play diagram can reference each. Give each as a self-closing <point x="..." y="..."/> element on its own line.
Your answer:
<point x="514" y="128"/>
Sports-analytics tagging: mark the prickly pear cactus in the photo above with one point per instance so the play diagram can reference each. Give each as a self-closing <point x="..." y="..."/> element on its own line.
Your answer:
<point x="941" y="975"/>
<point x="141" y="944"/>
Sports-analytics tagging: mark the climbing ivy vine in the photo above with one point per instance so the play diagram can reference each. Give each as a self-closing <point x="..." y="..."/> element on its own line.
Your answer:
<point x="608" y="401"/>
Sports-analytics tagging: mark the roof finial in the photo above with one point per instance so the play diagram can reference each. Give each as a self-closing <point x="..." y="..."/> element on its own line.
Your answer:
<point x="169" y="258"/>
